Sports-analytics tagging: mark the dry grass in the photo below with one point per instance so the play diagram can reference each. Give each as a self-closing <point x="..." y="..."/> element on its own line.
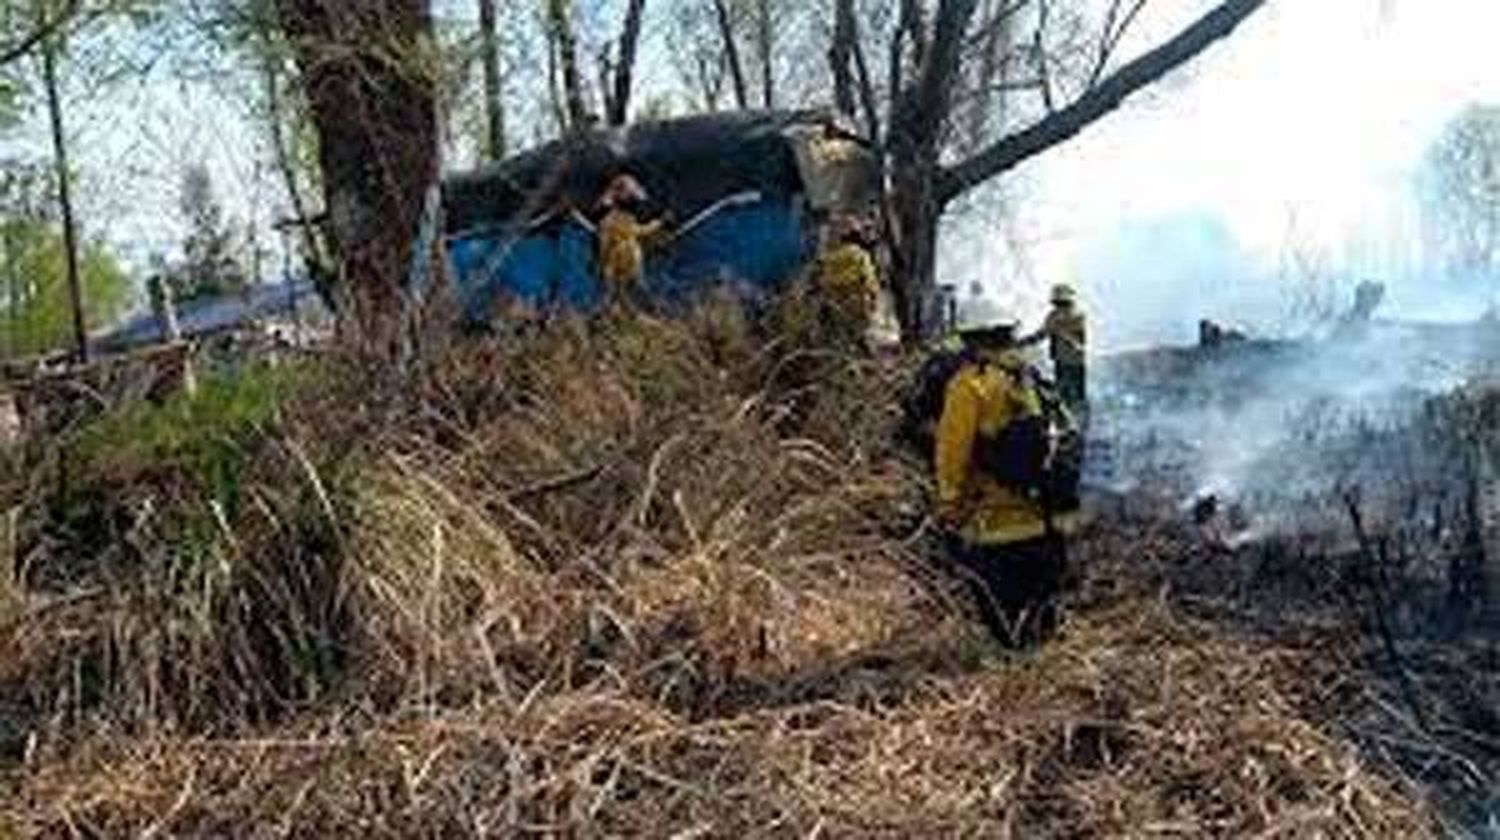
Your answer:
<point x="652" y="579"/>
<point x="1133" y="725"/>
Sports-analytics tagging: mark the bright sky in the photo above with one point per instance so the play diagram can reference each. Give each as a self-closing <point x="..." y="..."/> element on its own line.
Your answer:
<point x="1306" y="125"/>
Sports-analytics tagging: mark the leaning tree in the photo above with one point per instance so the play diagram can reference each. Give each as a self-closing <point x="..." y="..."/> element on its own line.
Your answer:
<point x="945" y="109"/>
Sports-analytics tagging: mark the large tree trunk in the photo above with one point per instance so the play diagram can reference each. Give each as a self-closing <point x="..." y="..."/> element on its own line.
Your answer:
<point x="494" y="99"/>
<point x="913" y="219"/>
<point x="919" y="118"/>
<point x="560" y="16"/>
<point x="373" y="102"/>
<point x="921" y="113"/>
<point x="630" y="37"/>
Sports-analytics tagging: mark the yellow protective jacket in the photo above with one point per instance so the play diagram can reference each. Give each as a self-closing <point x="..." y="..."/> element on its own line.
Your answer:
<point x="982" y="399"/>
<point x="1068" y="331"/>
<point x="847" y="279"/>
<point x="622" y="257"/>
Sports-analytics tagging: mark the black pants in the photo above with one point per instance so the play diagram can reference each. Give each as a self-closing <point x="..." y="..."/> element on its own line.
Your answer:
<point x="1072" y="387"/>
<point x="1016" y="586"/>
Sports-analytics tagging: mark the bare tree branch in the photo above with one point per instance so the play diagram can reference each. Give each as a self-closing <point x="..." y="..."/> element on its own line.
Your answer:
<point x="1112" y="34"/>
<point x="44" y="30"/>
<point x="732" y="54"/>
<point x="1099" y="100"/>
<point x="1043" y="63"/>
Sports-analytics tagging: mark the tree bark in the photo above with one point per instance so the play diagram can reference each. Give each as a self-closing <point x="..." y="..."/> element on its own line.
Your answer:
<point x="922" y="111"/>
<point x="494" y="95"/>
<point x="765" y="42"/>
<point x="630" y="37"/>
<point x="560" y="15"/>
<point x="732" y="54"/>
<point x="65" y="199"/>
<point x="841" y="56"/>
<point x="919" y="118"/>
<point x="375" y="109"/>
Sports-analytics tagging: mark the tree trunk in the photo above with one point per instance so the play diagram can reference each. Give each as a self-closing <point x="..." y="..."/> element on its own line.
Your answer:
<point x="313" y="255"/>
<point x="919" y="116"/>
<point x="841" y="56"/>
<point x="554" y="87"/>
<point x="914" y="216"/>
<point x="630" y="37"/>
<point x="65" y="200"/>
<point x="375" y="110"/>
<point x="560" y="14"/>
<point x="766" y="44"/>
<point x="921" y="112"/>
<point x="494" y="96"/>
<point x="732" y="54"/>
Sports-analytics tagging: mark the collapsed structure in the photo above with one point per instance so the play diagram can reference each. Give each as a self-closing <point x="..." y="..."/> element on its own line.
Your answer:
<point x="748" y="189"/>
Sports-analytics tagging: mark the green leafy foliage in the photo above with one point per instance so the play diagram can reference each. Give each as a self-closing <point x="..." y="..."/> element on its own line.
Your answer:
<point x="33" y="281"/>
<point x="206" y="436"/>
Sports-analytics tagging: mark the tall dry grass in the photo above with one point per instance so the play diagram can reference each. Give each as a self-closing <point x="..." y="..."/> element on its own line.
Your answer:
<point x="642" y="577"/>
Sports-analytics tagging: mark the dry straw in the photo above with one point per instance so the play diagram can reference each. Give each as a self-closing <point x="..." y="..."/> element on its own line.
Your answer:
<point x="650" y="579"/>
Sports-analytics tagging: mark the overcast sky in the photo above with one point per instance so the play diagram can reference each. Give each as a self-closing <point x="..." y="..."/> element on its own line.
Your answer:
<point x="1306" y="127"/>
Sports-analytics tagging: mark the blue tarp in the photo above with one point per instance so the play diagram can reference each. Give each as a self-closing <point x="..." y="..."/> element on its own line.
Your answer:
<point x="754" y="247"/>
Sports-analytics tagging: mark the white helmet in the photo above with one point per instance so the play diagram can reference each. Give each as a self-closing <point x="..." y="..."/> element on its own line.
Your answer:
<point x="979" y="314"/>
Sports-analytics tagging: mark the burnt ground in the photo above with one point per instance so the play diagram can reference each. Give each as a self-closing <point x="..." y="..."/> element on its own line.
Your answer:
<point x="1339" y="497"/>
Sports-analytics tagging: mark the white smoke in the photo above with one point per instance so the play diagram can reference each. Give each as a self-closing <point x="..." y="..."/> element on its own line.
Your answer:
<point x="1265" y="420"/>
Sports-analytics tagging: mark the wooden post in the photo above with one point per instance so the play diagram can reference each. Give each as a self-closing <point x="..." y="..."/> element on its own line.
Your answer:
<point x="166" y="316"/>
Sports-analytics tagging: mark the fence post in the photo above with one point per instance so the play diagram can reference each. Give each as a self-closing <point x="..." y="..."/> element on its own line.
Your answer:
<point x="166" y="316"/>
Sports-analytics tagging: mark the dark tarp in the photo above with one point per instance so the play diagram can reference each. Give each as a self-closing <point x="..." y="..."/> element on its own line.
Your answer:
<point x="685" y="164"/>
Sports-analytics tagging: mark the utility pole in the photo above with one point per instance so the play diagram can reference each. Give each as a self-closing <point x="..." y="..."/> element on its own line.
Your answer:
<point x="65" y="199"/>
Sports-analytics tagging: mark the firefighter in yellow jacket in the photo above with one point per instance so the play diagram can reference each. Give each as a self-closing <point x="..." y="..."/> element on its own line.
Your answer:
<point x="848" y="282"/>
<point x="623" y="238"/>
<point x="1066" y="331"/>
<point x="1001" y="533"/>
